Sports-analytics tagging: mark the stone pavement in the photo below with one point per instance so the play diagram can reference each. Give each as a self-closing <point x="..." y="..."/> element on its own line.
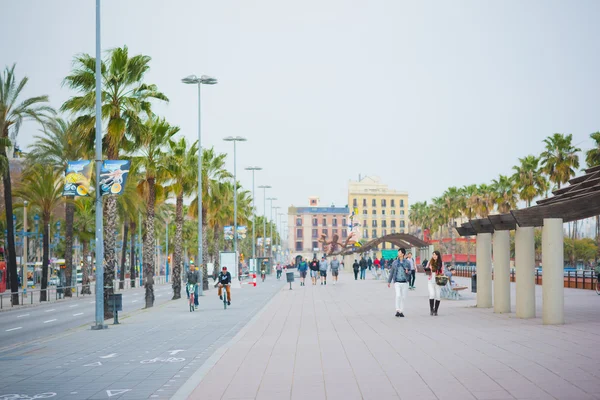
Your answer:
<point x="343" y="342"/>
<point x="149" y="355"/>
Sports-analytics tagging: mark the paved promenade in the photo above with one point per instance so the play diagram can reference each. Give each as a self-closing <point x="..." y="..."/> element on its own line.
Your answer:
<point x="343" y="342"/>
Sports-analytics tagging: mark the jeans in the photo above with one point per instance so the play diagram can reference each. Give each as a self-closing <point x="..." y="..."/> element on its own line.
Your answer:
<point x="355" y="274"/>
<point x="401" y="290"/>
<point x="187" y="291"/>
<point x="278" y="273"/>
<point x="363" y="273"/>
<point x="411" y="278"/>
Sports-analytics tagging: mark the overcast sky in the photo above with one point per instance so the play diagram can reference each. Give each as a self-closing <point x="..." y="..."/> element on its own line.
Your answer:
<point x="425" y="94"/>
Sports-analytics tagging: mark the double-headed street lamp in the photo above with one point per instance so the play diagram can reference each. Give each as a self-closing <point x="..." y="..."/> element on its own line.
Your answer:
<point x="235" y="139"/>
<point x="271" y="199"/>
<point x="253" y="169"/>
<point x="264" y="187"/>
<point x="203" y="80"/>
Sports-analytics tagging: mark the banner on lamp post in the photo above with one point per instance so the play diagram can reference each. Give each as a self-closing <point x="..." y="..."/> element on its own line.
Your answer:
<point x="77" y="178"/>
<point x="242" y="232"/>
<point x="228" y="232"/>
<point x="113" y="176"/>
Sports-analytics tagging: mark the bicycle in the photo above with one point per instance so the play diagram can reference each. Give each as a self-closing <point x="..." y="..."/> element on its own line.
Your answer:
<point x="598" y="285"/>
<point x="263" y="275"/>
<point x="192" y="292"/>
<point x="224" y="297"/>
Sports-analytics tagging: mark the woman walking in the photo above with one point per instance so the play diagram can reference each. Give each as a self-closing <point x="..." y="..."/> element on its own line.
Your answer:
<point x="355" y="267"/>
<point x="434" y="268"/>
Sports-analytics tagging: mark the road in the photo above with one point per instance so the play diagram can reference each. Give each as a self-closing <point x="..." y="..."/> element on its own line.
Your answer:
<point x="43" y="321"/>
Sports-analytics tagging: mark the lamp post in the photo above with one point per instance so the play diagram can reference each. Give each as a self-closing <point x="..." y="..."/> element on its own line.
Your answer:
<point x="271" y="246"/>
<point x="253" y="169"/>
<point x="36" y="220"/>
<point x="203" y="80"/>
<point x="24" y="257"/>
<point x="264" y="187"/>
<point x="234" y="139"/>
<point x="281" y="234"/>
<point x="273" y="223"/>
<point x="167" y="252"/>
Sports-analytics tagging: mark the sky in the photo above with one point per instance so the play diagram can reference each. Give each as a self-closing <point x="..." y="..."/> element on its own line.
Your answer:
<point x="426" y="95"/>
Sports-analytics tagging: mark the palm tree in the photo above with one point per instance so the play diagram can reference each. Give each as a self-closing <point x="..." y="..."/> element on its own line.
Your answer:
<point x="84" y="226"/>
<point x="482" y="201"/>
<point x="417" y="215"/>
<point x="560" y="158"/>
<point x="453" y="200"/>
<point x="505" y="193"/>
<point x="60" y="144"/>
<point x="125" y="97"/>
<point x="529" y="180"/>
<point x="42" y="188"/>
<point x="129" y="204"/>
<point x="181" y="166"/>
<point x="592" y="158"/>
<point x="151" y="143"/>
<point x="13" y="112"/>
<point x="468" y="211"/>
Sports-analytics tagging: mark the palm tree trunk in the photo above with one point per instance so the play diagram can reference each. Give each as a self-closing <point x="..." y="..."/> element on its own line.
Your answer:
<point x="69" y="215"/>
<point x="110" y="256"/>
<point x="11" y="252"/>
<point x="204" y="250"/>
<point x="216" y="249"/>
<point x="178" y="252"/>
<point x="598" y="236"/>
<point x="45" y="259"/>
<point x="132" y="254"/>
<point x="149" y="246"/>
<point x="123" y="255"/>
<point x="85" y="274"/>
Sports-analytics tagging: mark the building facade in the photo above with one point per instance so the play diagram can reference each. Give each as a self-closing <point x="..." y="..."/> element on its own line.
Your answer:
<point x="379" y="210"/>
<point x="307" y="224"/>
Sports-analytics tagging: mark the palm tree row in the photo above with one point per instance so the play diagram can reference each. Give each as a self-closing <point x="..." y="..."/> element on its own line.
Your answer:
<point x="531" y="178"/>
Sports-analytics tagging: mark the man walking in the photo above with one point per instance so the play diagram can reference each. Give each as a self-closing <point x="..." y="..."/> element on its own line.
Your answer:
<point x="302" y="269"/>
<point x="355" y="268"/>
<point x="363" y="267"/>
<point x="335" y="269"/>
<point x="314" y="270"/>
<point x="413" y="271"/>
<point x="399" y="275"/>
<point x="323" y="266"/>
<point x="370" y="263"/>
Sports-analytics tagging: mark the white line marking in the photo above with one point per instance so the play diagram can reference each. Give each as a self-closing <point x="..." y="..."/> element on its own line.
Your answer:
<point x="78" y="314"/>
<point x="96" y="364"/>
<point x="50" y="320"/>
<point x="92" y="302"/>
<point x="14" y="329"/>
<point x="109" y="356"/>
<point x="135" y="301"/>
<point x="50" y="310"/>
<point x="24" y="315"/>
<point x="74" y="305"/>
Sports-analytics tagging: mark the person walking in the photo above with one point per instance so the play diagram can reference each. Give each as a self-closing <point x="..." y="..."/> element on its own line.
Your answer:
<point x="434" y="268"/>
<point x="335" y="269"/>
<point x="377" y="265"/>
<point x="370" y="263"/>
<point x="399" y="275"/>
<point x="413" y="271"/>
<point x="302" y="269"/>
<point x="355" y="267"/>
<point x="314" y="270"/>
<point x="323" y="267"/>
<point x="363" y="267"/>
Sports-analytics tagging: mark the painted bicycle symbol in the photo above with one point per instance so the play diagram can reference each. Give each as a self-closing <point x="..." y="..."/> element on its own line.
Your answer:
<point x="46" y="395"/>
<point x="162" y="360"/>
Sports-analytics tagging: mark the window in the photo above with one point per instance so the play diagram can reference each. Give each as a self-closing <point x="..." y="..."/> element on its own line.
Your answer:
<point x="364" y="212"/>
<point x="383" y="203"/>
<point x="383" y="245"/>
<point x="334" y="222"/>
<point x="344" y="233"/>
<point x="393" y="203"/>
<point x="315" y="222"/>
<point x="383" y="232"/>
<point x="334" y="231"/>
<point x="393" y="246"/>
<point x="383" y="224"/>
<point x="374" y="203"/>
<point x="315" y="246"/>
<point x="393" y="231"/>
<point x="393" y="224"/>
<point x="366" y="233"/>
<point x="401" y="230"/>
<point x="401" y="212"/>
<point x="364" y="202"/>
<point x="298" y="246"/>
<point x="374" y="223"/>
<point x="355" y="202"/>
<point x="315" y="233"/>
<point x="299" y="233"/>
<point x="374" y="212"/>
<point x="298" y="221"/>
<point x="401" y="203"/>
<point x="374" y="232"/>
<point x="382" y="212"/>
<point x="393" y="212"/>
<point x="324" y="222"/>
<point x="401" y="224"/>
<point x="365" y="222"/>
<point x="325" y="232"/>
<point x="343" y="221"/>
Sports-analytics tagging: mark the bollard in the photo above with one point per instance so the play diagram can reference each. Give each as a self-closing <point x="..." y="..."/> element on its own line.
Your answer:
<point x="474" y="283"/>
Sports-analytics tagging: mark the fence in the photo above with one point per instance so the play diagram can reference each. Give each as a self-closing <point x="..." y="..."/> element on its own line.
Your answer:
<point x="573" y="279"/>
<point x="55" y="293"/>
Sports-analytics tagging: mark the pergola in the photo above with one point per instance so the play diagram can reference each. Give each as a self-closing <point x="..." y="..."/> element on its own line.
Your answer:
<point x="579" y="200"/>
<point x="398" y="239"/>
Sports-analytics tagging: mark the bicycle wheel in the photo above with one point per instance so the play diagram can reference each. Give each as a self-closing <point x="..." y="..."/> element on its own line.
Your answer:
<point x="224" y="298"/>
<point x="598" y="287"/>
<point x="191" y="302"/>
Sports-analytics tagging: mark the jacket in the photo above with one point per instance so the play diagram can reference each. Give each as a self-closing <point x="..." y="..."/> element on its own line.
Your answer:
<point x="193" y="277"/>
<point x="224" y="278"/>
<point x="398" y="271"/>
<point x="355" y="265"/>
<point x="303" y="266"/>
<point x="323" y="266"/>
<point x="363" y="263"/>
<point x="314" y="265"/>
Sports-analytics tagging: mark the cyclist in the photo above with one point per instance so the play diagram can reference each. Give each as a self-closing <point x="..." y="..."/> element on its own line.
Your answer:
<point x="224" y="279"/>
<point x="279" y="269"/>
<point x="193" y="276"/>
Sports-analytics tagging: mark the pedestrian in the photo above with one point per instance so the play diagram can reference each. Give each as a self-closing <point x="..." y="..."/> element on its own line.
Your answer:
<point x="399" y="275"/>
<point x="355" y="267"/>
<point x="193" y="277"/>
<point x="302" y="268"/>
<point x="411" y="276"/>
<point x="370" y="263"/>
<point x="335" y="269"/>
<point x="434" y="268"/>
<point x="363" y="267"/>
<point x="323" y="266"/>
<point x="314" y="270"/>
<point x="279" y="270"/>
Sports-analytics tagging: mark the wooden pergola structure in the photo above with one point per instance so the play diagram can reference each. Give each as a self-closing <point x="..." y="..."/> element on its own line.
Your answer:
<point x="579" y="200"/>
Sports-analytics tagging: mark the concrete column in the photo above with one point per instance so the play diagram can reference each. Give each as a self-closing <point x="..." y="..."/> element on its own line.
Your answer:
<point x="484" y="270"/>
<point x="501" y="272"/>
<point x="524" y="272"/>
<point x="553" y="286"/>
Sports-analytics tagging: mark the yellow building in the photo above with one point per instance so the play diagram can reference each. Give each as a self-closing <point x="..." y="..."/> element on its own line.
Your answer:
<point x="381" y="210"/>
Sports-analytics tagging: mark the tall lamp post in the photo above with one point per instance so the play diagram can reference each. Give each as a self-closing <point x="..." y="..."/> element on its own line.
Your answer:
<point x="203" y="80"/>
<point x="273" y="223"/>
<point x="24" y="257"/>
<point x="253" y="169"/>
<point x="235" y="139"/>
<point x="264" y="187"/>
<point x="281" y="235"/>
<point x="271" y="246"/>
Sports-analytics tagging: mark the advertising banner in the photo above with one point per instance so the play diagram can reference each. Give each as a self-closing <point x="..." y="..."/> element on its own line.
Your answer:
<point x="242" y="232"/>
<point x="113" y="176"/>
<point x="77" y="178"/>
<point x="228" y="232"/>
<point x="259" y="241"/>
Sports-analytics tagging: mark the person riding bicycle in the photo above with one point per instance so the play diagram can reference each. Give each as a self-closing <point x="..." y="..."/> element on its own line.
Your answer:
<point x="193" y="276"/>
<point x="279" y="269"/>
<point x="224" y="279"/>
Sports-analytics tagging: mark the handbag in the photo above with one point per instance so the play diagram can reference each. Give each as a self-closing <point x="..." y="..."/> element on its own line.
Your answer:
<point x="441" y="280"/>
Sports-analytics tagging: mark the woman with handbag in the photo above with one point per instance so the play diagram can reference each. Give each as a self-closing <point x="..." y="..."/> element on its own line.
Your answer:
<point x="437" y="279"/>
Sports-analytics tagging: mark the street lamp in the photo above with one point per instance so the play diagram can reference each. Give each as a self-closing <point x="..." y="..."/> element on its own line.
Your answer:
<point x="253" y="169"/>
<point x="264" y="187"/>
<point x="271" y="246"/>
<point x="234" y="139"/>
<point x="281" y="233"/>
<point x="273" y="223"/>
<point x="203" y="80"/>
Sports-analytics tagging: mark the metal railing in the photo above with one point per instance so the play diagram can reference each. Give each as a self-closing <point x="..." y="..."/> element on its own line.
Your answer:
<point x="573" y="279"/>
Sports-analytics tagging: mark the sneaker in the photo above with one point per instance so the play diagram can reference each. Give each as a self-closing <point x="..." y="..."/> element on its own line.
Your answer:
<point x="221" y="297"/>
<point x="397" y="314"/>
<point x="229" y="303"/>
<point x="196" y="307"/>
<point x="401" y="315"/>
